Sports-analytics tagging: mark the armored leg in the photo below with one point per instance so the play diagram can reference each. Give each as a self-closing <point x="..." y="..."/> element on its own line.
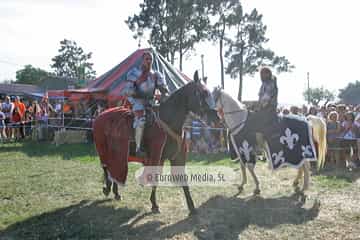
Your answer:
<point x="139" y="132"/>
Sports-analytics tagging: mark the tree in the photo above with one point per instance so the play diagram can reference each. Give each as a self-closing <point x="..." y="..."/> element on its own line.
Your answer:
<point x="351" y="93"/>
<point x="316" y="95"/>
<point x="246" y="52"/>
<point x="223" y="11"/>
<point x="73" y="62"/>
<point x="31" y="75"/>
<point x="175" y="26"/>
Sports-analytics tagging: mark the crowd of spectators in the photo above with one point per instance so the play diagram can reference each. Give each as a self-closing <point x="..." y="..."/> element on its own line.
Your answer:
<point x="17" y="118"/>
<point x="343" y="132"/>
<point x="202" y="138"/>
<point x="343" y="129"/>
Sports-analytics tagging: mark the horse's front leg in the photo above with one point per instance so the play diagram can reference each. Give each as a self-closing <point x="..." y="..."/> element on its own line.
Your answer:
<point x="251" y="167"/>
<point x="297" y="179"/>
<point x="189" y="200"/>
<point x="243" y="176"/>
<point x="116" y="192"/>
<point x="306" y="167"/>
<point x="154" y="206"/>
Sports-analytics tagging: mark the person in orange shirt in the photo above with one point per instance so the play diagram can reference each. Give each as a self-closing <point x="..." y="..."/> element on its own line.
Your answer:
<point x="20" y="110"/>
<point x="67" y="108"/>
<point x="21" y="107"/>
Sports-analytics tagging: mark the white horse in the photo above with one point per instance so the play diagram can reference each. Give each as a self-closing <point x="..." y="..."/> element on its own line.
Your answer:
<point x="234" y="114"/>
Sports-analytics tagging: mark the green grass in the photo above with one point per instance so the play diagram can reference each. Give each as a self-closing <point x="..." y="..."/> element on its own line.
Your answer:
<point x="332" y="182"/>
<point x="49" y="192"/>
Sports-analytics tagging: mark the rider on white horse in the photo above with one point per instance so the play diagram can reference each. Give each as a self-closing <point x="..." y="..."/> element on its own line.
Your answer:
<point x="264" y="118"/>
<point x="266" y="115"/>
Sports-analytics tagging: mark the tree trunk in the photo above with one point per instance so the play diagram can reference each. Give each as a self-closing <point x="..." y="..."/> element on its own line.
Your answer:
<point x="181" y="38"/>
<point x="180" y="59"/>
<point x="221" y="56"/>
<point x="240" y="86"/>
<point x="240" y="75"/>
<point x="172" y="58"/>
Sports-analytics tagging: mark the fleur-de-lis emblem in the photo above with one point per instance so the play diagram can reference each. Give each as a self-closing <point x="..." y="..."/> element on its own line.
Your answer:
<point x="278" y="157"/>
<point x="246" y="149"/>
<point x="307" y="151"/>
<point x="289" y="138"/>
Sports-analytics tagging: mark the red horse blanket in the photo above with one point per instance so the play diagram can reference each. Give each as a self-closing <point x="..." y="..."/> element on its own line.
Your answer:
<point x="113" y="131"/>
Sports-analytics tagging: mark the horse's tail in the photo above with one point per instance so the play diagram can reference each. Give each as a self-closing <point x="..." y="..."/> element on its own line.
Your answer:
<point x="322" y="143"/>
<point x="319" y="136"/>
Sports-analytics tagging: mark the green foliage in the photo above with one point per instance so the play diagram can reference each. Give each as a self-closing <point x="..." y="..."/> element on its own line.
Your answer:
<point x="175" y="26"/>
<point x="73" y="62"/>
<point x="316" y="95"/>
<point x="351" y="93"/>
<point x="31" y="75"/>
<point x="246" y="52"/>
<point x="222" y="11"/>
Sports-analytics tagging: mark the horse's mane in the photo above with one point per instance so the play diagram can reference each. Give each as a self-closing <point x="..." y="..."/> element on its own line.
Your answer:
<point x="227" y="97"/>
<point x="170" y="109"/>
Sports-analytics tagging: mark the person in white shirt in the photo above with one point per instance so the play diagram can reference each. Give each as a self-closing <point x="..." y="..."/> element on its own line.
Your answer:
<point x="2" y="124"/>
<point x="7" y="109"/>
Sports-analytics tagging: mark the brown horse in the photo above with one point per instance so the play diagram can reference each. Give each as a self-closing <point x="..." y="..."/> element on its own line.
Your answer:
<point x="113" y="130"/>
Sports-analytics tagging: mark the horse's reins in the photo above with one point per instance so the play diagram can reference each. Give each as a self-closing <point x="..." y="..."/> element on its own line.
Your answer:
<point x="171" y="133"/>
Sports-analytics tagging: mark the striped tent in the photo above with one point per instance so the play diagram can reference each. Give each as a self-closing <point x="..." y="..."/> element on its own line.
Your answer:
<point x="114" y="80"/>
<point x="111" y="84"/>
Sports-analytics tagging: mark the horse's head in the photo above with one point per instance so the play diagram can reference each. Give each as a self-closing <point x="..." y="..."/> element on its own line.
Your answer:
<point x="200" y="100"/>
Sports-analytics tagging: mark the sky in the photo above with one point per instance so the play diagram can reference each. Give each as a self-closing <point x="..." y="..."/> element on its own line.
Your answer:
<point x="320" y="37"/>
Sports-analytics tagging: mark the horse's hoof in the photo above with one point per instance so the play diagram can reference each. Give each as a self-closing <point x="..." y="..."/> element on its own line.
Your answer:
<point x="117" y="197"/>
<point x="240" y="189"/>
<point x="106" y="191"/>
<point x="257" y="192"/>
<point x="155" y="210"/>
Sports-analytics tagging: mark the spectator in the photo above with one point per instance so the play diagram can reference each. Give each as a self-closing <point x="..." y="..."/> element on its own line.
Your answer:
<point x="341" y="109"/>
<point x="312" y="111"/>
<point x="349" y="132"/>
<point x="28" y="123"/>
<point x="322" y="113"/>
<point x="348" y="128"/>
<point x="196" y="130"/>
<point x="58" y="108"/>
<point x="304" y="110"/>
<point x="15" y="123"/>
<point x="36" y="111"/>
<point x="294" y="110"/>
<point x="203" y="146"/>
<point x="7" y="108"/>
<point x="2" y="124"/>
<point x="187" y="132"/>
<point x="46" y="109"/>
<point x="285" y="111"/>
<point x="333" y="130"/>
<point x="357" y="111"/>
<point x="20" y="116"/>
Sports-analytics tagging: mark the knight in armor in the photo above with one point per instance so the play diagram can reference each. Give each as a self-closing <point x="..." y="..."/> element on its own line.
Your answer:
<point x="141" y="90"/>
